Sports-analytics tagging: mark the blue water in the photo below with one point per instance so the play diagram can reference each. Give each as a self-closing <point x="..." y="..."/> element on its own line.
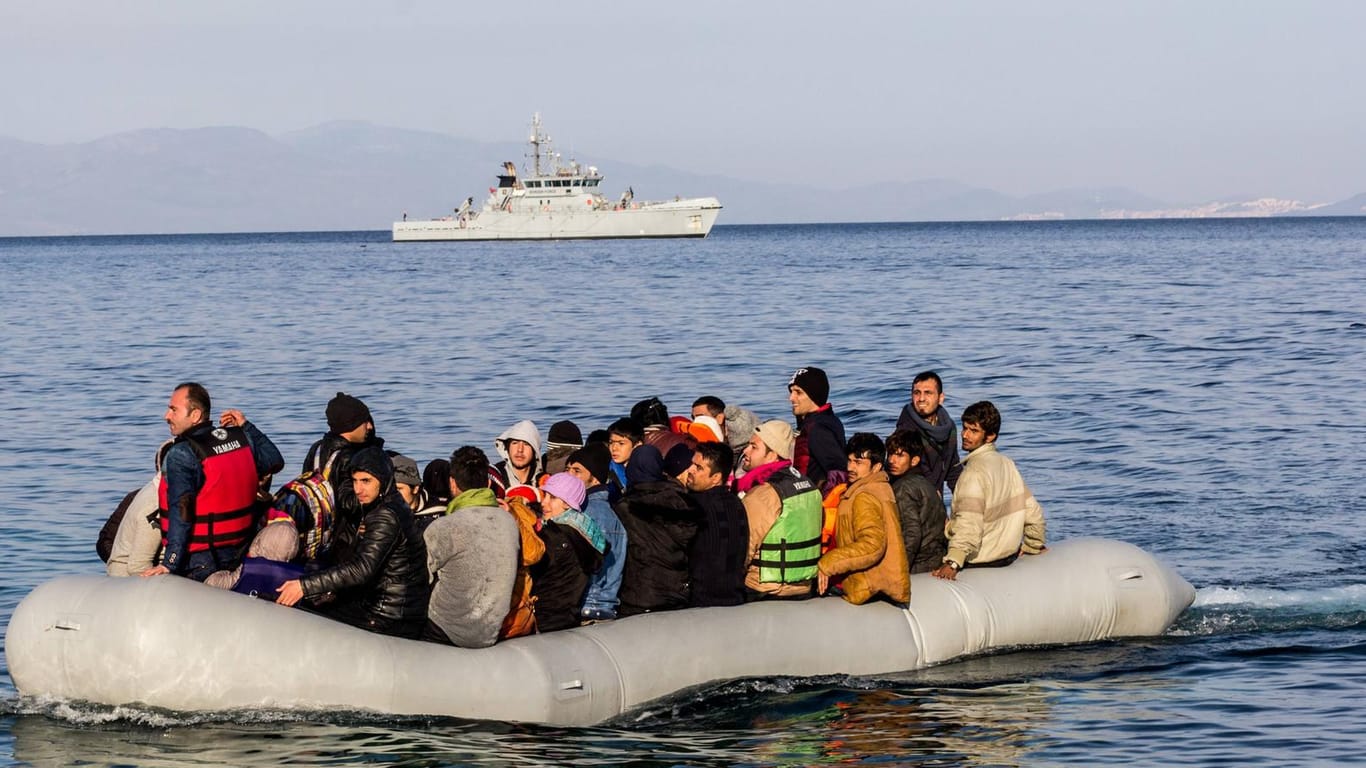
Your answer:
<point x="1192" y="387"/>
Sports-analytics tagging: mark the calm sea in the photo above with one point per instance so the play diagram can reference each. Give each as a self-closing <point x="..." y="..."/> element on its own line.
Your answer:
<point x="1193" y="387"/>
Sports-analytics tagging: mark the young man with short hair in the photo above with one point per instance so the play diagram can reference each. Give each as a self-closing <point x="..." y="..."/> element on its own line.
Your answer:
<point x="918" y="504"/>
<point x="209" y="483"/>
<point x="995" y="516"/>
<point x="713" y="407"/>
<point x="869" y="558"/>
<point x="472" y="556"/>
<point x="717" y="561"/>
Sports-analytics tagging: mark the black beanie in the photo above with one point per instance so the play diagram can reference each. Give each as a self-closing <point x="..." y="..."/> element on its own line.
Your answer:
<point x="677" y="460"/>
<point x="345" y="413"/>
<point x="565" y="433"/>
<point x="814" y="383"/>
<point x="595" y="458"/>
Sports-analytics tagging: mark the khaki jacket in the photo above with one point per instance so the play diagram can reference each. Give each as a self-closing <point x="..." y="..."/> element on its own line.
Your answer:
<point x="994" y="513"/>
<point x="869" y="554"/>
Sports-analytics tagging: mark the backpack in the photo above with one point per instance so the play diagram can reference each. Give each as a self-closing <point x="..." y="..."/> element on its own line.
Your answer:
<point x="309" y="500"/>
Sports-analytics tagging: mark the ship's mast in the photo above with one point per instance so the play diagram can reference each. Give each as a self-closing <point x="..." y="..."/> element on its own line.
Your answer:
<point x="537" y="139"/>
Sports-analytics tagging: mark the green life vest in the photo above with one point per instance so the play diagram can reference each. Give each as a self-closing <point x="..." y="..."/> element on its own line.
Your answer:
<point x="792" y="547"/>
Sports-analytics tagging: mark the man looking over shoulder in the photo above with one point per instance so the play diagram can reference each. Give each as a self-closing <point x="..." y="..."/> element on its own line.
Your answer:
<point x="995" y="516"/>
<point x="925" y="413"/>
<point x="210" y="478"/>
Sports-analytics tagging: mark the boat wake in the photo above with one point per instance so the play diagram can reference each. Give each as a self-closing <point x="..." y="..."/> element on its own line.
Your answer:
<point x="1243" y="610"/>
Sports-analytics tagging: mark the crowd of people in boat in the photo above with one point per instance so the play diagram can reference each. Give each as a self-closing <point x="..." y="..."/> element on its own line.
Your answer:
<point x="655" y="512"/>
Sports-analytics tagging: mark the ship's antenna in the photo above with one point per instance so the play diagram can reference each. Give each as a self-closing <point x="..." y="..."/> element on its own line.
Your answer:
<point x="536" y="143"/>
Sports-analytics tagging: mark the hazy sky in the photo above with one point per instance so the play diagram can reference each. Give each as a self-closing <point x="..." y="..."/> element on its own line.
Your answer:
<point x="1186" y="101"/>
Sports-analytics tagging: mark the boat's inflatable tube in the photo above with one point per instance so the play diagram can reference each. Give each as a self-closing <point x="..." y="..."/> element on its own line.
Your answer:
<point x="171" y="643"/>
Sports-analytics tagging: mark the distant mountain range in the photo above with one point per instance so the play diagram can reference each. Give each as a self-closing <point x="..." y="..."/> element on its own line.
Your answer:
<point x="357" y="176"/>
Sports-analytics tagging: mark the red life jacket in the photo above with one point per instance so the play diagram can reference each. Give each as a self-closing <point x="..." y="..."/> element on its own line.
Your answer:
<point x="223" y="506"/>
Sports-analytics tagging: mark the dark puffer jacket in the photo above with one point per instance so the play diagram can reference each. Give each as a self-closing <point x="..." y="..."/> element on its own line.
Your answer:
<point x="922" y="521"/>
<point x="381" y="583"/>
<point x="660" y="525"/>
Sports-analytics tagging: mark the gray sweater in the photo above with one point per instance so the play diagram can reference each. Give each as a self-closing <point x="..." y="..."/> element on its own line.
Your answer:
<point x="472" y="558"/>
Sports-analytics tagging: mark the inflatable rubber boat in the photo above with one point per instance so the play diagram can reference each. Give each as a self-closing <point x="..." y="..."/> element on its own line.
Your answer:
<point x="171" y="643"/>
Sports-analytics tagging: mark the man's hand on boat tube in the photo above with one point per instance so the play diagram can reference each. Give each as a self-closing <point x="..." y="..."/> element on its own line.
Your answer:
<point x="291" y="592"/>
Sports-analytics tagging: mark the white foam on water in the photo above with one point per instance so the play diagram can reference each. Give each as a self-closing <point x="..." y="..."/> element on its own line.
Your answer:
<point x="1335" y="599"/>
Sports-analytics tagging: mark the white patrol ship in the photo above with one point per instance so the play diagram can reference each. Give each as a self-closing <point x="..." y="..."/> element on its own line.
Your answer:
<point x="559" y="202"/>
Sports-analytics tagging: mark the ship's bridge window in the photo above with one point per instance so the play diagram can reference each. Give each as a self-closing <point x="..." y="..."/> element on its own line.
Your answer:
<point x="591" y="182"/>
<point x="533" y="184"/>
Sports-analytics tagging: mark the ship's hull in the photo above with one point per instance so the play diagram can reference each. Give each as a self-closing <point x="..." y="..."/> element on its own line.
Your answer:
<point x="679" y="218"/>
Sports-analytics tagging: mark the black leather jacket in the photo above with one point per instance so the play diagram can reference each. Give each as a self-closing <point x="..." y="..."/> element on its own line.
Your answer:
<point x="385" y="568"/>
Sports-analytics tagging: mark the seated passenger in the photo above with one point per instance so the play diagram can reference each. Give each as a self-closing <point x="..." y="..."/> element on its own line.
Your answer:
<point x="436" y="493"/>
<point x="714" y="408"/>
<point x="381" y="583"/>
<point x="408" y="482"/>
<point x="717" y="561"/>
<point x="660" y="526"/>
<point x="436" y="483"/>
<point x="738" y="427"/>
<point x="520" y="447"/>
<point x="995" y="516"/>
<point x="267" y="565"/>
<point x="523" y="503"/>
<point x="137" y="537"/>
<point x="573" y="552"/>
<point x="350" y="428"/>
<point x="869" y="558"/>
<point x="653" y="417"/>
<point x="783" y="510"/>
<point x="918" y="505"/>
<point x="819" y="450"/>
<point x="208" y="494"/>
<point x="592" y="465"/>
<point x="472" y="554"/>
<point x="623" y="436"/>
<point x="563" y="439"/>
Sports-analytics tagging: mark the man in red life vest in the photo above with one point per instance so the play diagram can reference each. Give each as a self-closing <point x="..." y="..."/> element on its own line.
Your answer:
<point x="209" y="483"/>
